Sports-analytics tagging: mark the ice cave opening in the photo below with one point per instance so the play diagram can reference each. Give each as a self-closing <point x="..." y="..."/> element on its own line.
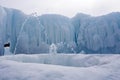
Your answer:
<point x="7" y="44"/>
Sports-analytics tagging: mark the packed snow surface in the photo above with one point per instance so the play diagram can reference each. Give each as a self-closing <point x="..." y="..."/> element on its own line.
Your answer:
<point x="60" y="67"/>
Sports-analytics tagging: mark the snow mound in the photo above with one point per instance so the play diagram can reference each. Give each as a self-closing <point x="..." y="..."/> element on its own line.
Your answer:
<point x="29" y="67"/>
<point x="73" y="60"/>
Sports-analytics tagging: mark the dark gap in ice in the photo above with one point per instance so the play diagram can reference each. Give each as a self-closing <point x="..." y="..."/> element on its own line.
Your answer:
<point x="7" y="45"/>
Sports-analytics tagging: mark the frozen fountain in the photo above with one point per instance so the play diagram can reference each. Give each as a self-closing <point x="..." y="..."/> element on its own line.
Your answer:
<point x="42" y="30"/>
<point x="53" y="49"/>
<point x="39" y="31"/>
<point x="22" y="27"/>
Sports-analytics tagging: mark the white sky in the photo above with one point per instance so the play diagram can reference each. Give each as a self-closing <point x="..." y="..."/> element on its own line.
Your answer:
<point x="65" y="7"/>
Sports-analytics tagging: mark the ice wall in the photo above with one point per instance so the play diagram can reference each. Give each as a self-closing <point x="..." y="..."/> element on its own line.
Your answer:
<point x="58" y="30"/>
<point x="2" y="29"/>
<point x="18" y="19"/>
<point x="10" y="24"/>
<point x="40" y="32"/>
<point x="98" y="34"/>
<point x="34" y="34"/>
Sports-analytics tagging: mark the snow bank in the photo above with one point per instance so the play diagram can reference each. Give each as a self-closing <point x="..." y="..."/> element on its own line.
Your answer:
<point x="75" y="60"/>
<point x="26" y="67"/>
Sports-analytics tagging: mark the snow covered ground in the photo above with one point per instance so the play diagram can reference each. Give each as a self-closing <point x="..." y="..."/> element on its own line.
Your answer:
<point x="60" y="67"/>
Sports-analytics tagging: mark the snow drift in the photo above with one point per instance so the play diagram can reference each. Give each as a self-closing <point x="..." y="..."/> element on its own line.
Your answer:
<point x="39" y="67"/>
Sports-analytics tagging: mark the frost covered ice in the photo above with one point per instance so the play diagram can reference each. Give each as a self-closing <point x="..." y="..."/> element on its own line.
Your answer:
<point x="34" y="34"/>
<point x="97" y="34"/>
<point x="43" y="34"/>
<point x="78" y="67"/>
<point x="53" y="49"/>
<point x="30" y="34"/>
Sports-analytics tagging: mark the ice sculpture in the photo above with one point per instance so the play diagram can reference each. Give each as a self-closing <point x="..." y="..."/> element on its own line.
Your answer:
<point x="53" y="49"/>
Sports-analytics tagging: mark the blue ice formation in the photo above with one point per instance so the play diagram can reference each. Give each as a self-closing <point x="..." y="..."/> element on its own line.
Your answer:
<point x="34" y="34"/>
<point x="98" y="34"/>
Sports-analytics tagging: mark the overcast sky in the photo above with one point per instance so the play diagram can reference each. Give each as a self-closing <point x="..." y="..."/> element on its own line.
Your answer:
<point x="64" y="7"/>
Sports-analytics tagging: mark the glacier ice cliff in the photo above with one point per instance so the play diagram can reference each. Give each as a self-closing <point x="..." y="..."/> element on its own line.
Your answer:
<point x="34" y="34"/>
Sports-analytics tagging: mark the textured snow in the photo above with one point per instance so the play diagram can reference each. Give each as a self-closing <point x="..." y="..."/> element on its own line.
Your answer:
<point x="39" y="67"/>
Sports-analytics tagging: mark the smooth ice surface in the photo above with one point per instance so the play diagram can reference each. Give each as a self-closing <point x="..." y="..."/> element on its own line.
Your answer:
<point x="38" y="67"/>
